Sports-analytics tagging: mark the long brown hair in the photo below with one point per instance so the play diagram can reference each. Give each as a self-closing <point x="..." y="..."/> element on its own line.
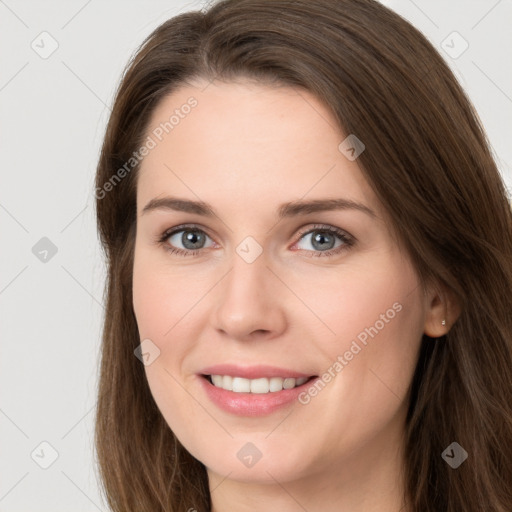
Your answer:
<point x="428" y="160"/>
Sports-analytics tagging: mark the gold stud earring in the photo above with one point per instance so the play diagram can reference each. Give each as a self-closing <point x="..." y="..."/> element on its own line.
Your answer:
<point x="443" y="322"/>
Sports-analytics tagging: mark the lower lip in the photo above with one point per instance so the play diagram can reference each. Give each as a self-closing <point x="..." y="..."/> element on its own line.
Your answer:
<point x="252" y="404"/>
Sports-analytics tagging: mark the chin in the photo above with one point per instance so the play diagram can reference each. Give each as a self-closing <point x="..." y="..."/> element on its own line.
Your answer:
<point x="245" y="462"/>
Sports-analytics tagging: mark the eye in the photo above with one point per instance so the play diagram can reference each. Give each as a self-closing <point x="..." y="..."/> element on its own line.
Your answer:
<point x="323" y="241"/>
<point x="190" y="237"/>
<point x="193" y="238"/>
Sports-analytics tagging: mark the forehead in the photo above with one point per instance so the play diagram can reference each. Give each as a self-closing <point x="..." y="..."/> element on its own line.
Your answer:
<point x="224" y="140"/>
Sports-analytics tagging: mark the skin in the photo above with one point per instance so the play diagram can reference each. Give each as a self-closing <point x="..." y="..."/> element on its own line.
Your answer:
<point x="245" y="149"/>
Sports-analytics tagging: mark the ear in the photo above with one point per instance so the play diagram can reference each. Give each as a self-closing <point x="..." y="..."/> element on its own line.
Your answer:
<point x="441" y="310"/>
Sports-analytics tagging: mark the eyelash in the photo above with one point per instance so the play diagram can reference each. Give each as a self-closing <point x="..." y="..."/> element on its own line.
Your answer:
<point x="348" y="240"/>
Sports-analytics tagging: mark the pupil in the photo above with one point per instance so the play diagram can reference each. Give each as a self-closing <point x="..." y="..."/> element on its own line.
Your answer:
<point x="320" y="239"/>
<point x="192" y="237"/>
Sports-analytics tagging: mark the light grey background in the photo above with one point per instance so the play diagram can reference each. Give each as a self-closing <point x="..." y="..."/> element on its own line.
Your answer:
<point x="53" y="114"/>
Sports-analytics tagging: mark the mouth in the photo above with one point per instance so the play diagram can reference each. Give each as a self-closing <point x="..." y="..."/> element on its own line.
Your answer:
<point x="253" y="390"/>
<point x="259" y="396"/>
<point x="260" y="386"/>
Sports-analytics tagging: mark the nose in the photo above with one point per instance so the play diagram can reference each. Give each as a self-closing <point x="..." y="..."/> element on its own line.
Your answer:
<point x="250" y="301"/>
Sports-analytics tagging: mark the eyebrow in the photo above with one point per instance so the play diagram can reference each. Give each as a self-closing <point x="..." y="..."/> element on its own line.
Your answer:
<point x="290" y="209"/>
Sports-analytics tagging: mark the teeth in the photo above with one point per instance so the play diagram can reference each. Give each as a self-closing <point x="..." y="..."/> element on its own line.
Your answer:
<point x="288" y="383"/>
<point x="217" y="380"/>
<point x="227" y="382"/>
<point x="275" y="384"/>
<point x="241" y="385"/>
<point x="261" y="386"/>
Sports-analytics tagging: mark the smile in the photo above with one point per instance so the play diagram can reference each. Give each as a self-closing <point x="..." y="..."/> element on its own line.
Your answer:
<point x="259" y="396"/>
<point x="260" y="386"/>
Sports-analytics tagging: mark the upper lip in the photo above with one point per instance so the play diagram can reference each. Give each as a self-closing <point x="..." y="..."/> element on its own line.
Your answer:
<point x="252" y="372"/>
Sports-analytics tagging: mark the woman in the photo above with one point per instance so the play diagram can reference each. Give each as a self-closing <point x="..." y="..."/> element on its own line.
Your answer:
<point x="309" y="254"/>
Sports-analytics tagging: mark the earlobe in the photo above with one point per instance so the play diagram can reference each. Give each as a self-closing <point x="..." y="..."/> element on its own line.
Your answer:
<point x="442" y="310"/>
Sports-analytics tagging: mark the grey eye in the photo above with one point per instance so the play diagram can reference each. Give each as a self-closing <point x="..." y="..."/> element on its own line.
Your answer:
<point x="191" y="239"/>
<point x="322" y="240"/>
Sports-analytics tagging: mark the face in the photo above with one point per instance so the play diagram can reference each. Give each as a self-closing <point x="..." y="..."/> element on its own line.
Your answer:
<point x="310" y="317"/>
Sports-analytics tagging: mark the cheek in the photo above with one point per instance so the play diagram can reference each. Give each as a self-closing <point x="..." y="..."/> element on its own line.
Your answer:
<point x="377" y="318"/>
<point x="160" y="303"/>
<point x="151" y="303"/>
<point x="160" y="297"/>
<point x="164" y="304"/>
<point x="376" y="299"/>
<point x="377" y="323"/>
